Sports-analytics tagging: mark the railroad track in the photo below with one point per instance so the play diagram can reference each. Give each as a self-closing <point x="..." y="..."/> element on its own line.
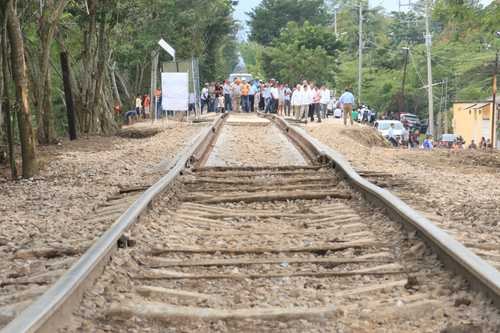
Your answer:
<point x="462" y="225"/>
<point x="268" y="248"/>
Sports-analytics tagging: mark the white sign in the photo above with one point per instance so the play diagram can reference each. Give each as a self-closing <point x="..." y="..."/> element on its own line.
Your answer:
<point x="175" y="91"/>
<point x="164" y="45"/>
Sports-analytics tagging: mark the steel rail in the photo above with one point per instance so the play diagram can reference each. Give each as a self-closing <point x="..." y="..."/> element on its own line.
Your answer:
<point x="47" y="312"/>
<point x="455" y="256"/>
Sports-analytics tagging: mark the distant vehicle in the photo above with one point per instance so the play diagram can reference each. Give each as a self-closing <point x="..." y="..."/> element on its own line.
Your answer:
<point x="242" y="76"/>
<point x="400" y="132"/>
<point x="330" y="108"/>
<point x="409" y="120"/>
<point x="424" y="126"/>
<point x="447" y="140"/>
<point x="338" y="113"/>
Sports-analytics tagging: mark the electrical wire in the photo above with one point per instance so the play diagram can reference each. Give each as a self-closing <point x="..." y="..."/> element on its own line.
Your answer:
<point x="415" y="67"/>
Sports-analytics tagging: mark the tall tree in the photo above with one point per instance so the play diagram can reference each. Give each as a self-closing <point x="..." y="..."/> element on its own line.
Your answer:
<point x="5" y="97"/>
<point x="303" y="52"/>
<point x="51" y="12"/>
<point x="18" y="62"/>
<point x="271" y="16"/>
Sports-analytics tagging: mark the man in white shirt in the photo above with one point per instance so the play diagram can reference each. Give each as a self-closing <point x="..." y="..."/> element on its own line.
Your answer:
<point x="275" y="95"/>
<point x="296" y="101"/>
<point x="310" y="98"/>
<point x="236" y="95"/>
<point x="304" y="102"/>
<point x="138" y="105"/>
<point x="204" y="97"/>
<point x="325" y="99"/>
<point x="227" y="96"/>
<point x="288" y="100"/>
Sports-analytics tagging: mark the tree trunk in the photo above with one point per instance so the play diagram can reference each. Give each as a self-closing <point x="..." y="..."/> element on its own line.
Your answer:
<point x="105" y="115"/>
<point x="6" y="103"/>
<point x="68" y="94"/>
<point x="28" y="145"/>
<point x="87" y="74"/>
<point x="46" y="30"/>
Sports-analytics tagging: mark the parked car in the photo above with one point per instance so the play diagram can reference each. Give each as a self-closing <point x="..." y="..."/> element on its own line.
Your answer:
<point x="409" y="120"/>
<point x="447" y="140"/>
<point x="400" y="132"/>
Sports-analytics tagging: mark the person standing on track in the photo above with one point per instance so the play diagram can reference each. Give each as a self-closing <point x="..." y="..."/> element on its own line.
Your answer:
<point x="281" y="99"/>
<point x="266" y="95"/>
<point x="288" y="100"/>
<point x="245" y="98"/>
<point x="274" y="97"/>
<point x="212" y="101"/>
<point x="316" y="99"/>
<point x="296" y="101"/>
<point x="227" y="96"/>
<point x="254" y="90"/>
<point x="204" y="97"/>
<point x="236" y="93"/>
<point x="346" y="101"/>
<point x="325" y="99"/>
<point x="304" y="107"/>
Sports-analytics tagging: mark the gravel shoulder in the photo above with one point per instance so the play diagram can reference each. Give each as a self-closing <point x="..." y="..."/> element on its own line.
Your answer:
<point x="457" y="190"/>
<point x="56" y="210"/>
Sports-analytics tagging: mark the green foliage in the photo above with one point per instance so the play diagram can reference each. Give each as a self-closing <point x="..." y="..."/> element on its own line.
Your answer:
<point x="463" y="50"/>
<point x="271" y="16"/>
<point x="302" y="52"/>
<point x="253" y="54"/>
<point x="405" y="28"/>
<point x="198" y="28"/>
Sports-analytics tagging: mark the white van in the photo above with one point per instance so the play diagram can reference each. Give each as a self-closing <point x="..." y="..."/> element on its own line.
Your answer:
<point x="242" y="76"/>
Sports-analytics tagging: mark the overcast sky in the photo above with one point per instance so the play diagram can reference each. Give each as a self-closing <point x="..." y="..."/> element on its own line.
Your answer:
<point x="248" y="5"/>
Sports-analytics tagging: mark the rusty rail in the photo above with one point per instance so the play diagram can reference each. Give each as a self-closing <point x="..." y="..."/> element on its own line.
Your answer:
<point x="57" y="303"/>
<point x="481" y="275"/>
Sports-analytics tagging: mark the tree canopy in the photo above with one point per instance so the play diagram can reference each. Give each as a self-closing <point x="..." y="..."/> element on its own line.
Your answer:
<point x="271" y="16"/>
<point x="302" y="52"/>
<point x="109" y="44"/>
<point x="463" y="51"/>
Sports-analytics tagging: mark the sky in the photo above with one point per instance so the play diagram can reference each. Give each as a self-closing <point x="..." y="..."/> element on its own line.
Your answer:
<point x="247" y="5"/>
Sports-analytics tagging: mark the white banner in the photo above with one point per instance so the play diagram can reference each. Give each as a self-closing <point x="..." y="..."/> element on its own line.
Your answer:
<point x="175" y="91"/>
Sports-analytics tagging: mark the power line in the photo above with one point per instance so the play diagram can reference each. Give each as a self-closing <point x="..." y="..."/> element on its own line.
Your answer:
<point x="415" y="67"/>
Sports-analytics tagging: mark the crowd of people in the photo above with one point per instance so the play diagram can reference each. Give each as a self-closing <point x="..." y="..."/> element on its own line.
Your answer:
<point x="302" y="101"/>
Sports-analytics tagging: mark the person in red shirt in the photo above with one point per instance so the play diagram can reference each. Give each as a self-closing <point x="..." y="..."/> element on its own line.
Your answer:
<point x="146" y="105"/>
<point x="316" y="104"/>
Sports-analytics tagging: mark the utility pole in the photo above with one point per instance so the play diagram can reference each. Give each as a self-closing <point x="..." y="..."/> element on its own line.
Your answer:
<point x="494" y="107"/>
<point x="428" y="43"/>
<point x="402" y="108"/>
<point x="446" y="105"/>
<point x="360" y="52"/>
<point x="154" y="68"/>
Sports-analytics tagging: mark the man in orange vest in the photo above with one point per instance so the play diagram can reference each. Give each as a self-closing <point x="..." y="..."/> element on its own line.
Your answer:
<point x="245" y="98"/>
